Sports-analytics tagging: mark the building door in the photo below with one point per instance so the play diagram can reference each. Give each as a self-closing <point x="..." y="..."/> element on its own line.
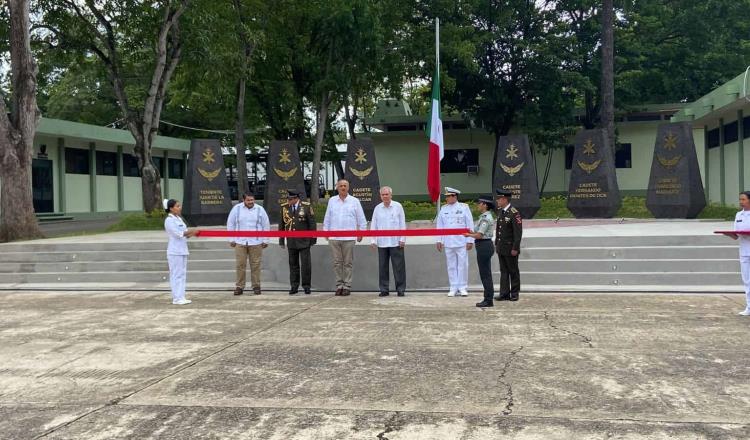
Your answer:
<point x="41" y="183"/>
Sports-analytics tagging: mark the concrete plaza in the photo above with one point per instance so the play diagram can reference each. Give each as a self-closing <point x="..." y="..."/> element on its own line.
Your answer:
<point x="552" y="366"/>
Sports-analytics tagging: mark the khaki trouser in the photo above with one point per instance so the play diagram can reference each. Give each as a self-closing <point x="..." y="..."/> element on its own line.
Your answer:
<point x="343" y="260"/>
<point x="242" y="254"/>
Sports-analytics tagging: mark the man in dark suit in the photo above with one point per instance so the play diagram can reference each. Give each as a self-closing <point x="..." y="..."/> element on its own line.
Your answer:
<point x="508" y="231"/>
<point x="298" y="216"/>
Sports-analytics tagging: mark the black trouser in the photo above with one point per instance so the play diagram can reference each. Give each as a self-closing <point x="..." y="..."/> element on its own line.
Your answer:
<point x="485" y="250"/>
<point x="295" y="257"/>
<point x="396" y="257"/>
<point x="510" y="278"/>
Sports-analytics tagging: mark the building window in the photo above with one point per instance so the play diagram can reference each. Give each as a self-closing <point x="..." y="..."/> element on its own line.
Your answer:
<point x="746" y="127"/>
<point x="77" y="161"/>
<point x="731" y="133"/>
<point x="643" y="118"/>
<point x="623" y="156"/>
<point x="176" y="169"/>
<point x="402" y="127"/>
<point x="130" y="166"/>
<point x="106" y="163"/>
<point x="458" y="161"/>
<point x="158" y="164"/>
<point x="713" y="138"/>
<point x="569" y="151"/>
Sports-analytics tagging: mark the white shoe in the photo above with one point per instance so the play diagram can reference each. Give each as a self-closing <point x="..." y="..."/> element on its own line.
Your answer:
<point x="181" y="302"/>
<point x="745" y="312"/>
<point x="463" y="292"/>
<point x="452" y="292"/>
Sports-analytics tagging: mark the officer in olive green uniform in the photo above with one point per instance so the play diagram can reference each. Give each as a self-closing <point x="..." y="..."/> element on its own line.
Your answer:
<point x="483" y="231"/>
<point x="298" y="216"/>
<point x="508" y="246"/>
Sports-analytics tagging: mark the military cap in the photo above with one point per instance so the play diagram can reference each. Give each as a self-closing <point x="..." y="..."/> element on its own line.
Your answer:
<point x="451" y="191"/>
<point x="487" y="200"/>
<point x="292" y="193"/>
<point x="503" y="193"/>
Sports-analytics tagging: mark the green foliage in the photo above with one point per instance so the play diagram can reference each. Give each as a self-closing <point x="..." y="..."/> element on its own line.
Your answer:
<point x="140" y="222"/>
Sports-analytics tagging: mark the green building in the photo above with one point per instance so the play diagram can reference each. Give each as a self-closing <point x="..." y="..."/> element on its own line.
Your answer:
<point x="87" y="171"/>
<point x="401" y="150"/>
<point x="723" y="120"/>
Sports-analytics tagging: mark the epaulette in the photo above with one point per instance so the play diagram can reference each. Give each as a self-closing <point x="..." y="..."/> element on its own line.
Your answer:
<point x="513" y="210"/>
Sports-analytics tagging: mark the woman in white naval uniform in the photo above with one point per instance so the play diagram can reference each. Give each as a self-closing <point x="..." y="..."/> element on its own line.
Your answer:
<point x="742" y="223"/>
<point x="177" y="250"/>
<point x="456" y="215"/>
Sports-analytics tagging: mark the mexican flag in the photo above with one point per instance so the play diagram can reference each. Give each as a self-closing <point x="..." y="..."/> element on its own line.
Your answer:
<point x="435" y="130"/>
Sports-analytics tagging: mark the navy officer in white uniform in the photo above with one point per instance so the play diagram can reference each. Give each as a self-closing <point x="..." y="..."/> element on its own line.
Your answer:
<point x="456" y="215"/>
<point x="177" y="250"/>
<point x="742" y="223"/>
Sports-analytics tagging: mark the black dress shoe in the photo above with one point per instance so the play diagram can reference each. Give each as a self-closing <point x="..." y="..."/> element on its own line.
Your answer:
<point x="307" y="291"/>
<point x="293" y="292"/>
<point x="485" y="303"/>
<point x="384" y="294"/>
<point x="502" y="298"/>
<point x="238" y="291"/>
<point x="513" y="298"/>
<point x="346" y="292"/>
<point x="401" y="293"/>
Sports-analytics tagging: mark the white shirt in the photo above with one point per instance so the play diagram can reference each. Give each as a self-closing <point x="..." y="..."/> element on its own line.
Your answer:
<point x="456" y="215"/>
<point x="742" y="223"/>
<point x="176" y="228"/>
<point x="344" y="215"/>
<point x="388" y="217"/>
<point x="242" y="218"/>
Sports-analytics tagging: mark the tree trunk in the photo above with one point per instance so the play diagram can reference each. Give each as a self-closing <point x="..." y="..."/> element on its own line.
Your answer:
<point x="150" y="176"/>
<point x="608" y="68"/>
<point x="239" y="137"/>
<point x="320" y="129"/>
<point x="17" y="218"/>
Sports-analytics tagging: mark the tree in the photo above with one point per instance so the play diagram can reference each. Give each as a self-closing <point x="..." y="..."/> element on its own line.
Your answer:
<point x="17" y="128"/>
<point x="608" y="71"/>
<point x="129" y="38"/>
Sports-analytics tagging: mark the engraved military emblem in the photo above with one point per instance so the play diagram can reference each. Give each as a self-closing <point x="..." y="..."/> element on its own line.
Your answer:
<point x="511" y="153"/>
<point x="511" y="171"/>
<point x="670" y="141"/>
<point x="361" y="157"/>
<point x="209" y="158"/>
<point x="284" y="157"/>
<point x="669" y="164"/>
<point x="589" y="149"/>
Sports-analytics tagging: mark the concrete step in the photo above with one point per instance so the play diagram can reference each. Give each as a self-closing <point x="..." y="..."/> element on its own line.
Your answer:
<point x="113" y="266"/>
<point x="631" y="278"/>
<point x="223" y="277"/>
<point x="618" y="266"/>
<point x="114" y="253"/>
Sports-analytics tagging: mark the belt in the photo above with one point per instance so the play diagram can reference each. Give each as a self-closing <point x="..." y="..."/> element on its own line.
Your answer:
<point x="482" y="239"/>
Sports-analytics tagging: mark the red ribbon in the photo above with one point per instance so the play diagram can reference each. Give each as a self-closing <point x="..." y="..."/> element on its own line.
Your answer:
<point x="324" y="234"/>
<point x="733" y="232"/>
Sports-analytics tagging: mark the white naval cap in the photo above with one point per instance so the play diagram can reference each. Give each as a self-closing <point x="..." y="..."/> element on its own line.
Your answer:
<point x="449" y="190"/>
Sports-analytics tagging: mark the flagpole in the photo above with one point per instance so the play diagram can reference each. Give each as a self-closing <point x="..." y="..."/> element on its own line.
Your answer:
<point x="437" y="69"/>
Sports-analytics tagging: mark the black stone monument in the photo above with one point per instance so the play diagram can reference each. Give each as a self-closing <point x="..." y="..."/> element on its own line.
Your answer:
<point x="675" y="188"/>
<point x="284" y="172"/>
<point x="362" y="174"/>
<point x="593" y="190"/>
<point x="206" y="192"/>
<point x="515" y="171"/>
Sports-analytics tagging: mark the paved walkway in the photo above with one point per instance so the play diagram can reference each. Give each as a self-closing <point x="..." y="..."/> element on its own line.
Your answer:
<point x="130" y="365"/>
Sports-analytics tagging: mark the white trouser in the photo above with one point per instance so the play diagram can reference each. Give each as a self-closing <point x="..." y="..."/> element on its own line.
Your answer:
<point x="745" y="268"/>
<point x="177" y="275"/>
<point x="458" y="267"/>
